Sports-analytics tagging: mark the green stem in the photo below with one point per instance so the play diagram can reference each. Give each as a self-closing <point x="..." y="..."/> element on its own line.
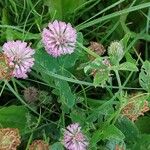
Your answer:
<point x="19" y="83"/>
<point x="29" y="141"/>
<point x="57" y="76"/>
<point x="118" y="79"/>
<point x="14" y="84"/>
<point x="2" y="89"/>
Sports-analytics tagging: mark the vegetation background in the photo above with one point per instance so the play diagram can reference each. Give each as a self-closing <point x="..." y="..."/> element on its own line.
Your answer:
<point x="67" y="91"/>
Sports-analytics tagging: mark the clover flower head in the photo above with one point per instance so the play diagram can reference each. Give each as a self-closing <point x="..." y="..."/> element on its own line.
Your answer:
<point x="74" y="138"/>
<point x="59" y="38"/>
<point x="20" y="57"/>
<point x="116" y="50"/>
<point x="115" y="47"/>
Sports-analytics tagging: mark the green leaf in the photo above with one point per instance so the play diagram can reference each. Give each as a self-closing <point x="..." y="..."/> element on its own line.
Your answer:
<point x="144" y="77"/>
<point x="78" y="47"/>
<point x="5" y="14"/>
<point x="143" y="124"/>
<point x="143" y="143"/>
<point x="66" y="96"/>
<point x="47" y="64"/>
<point x="112" y="132"/>
<point x="103" y="111"/>
<point x="126" y="38"/>
<point x="127" y="66"/>
<point x="68" y="61"/>
<point x="129" y="58"/>
<point x="101" y="70"/>
<point x="43" y="61"/>
<point x="97" y="136"/>
<point x="13" y="117"/>
<point x="97" y="64"/>
<point x="128" y="128"/>
<point x="57" y="146"/>
<point x="61" y="8"/>
<point x="111" y="144"/>
<point x="101" y="77"/>
<point x="27" y="36"/>
<point x="78" y="116"/>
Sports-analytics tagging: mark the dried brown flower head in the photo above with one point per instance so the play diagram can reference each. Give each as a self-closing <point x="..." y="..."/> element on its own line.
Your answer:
<point x="135" y="108"/>
<point x="97" y="48"/>
<point x="9" y="139"/>
<point x="38" y="145"/>
<point x="6" y="69"/>
<point x="31" y="94"/>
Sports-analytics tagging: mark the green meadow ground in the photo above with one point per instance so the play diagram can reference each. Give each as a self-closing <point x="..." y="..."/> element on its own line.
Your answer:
<point x="110" y="102"/>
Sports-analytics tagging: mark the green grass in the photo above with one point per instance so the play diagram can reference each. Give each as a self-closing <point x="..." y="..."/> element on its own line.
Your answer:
<point x="73" y="94"/>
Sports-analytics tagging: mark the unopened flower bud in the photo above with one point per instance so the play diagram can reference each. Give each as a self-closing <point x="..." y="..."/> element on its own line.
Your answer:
<point x="115" y="51"/>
